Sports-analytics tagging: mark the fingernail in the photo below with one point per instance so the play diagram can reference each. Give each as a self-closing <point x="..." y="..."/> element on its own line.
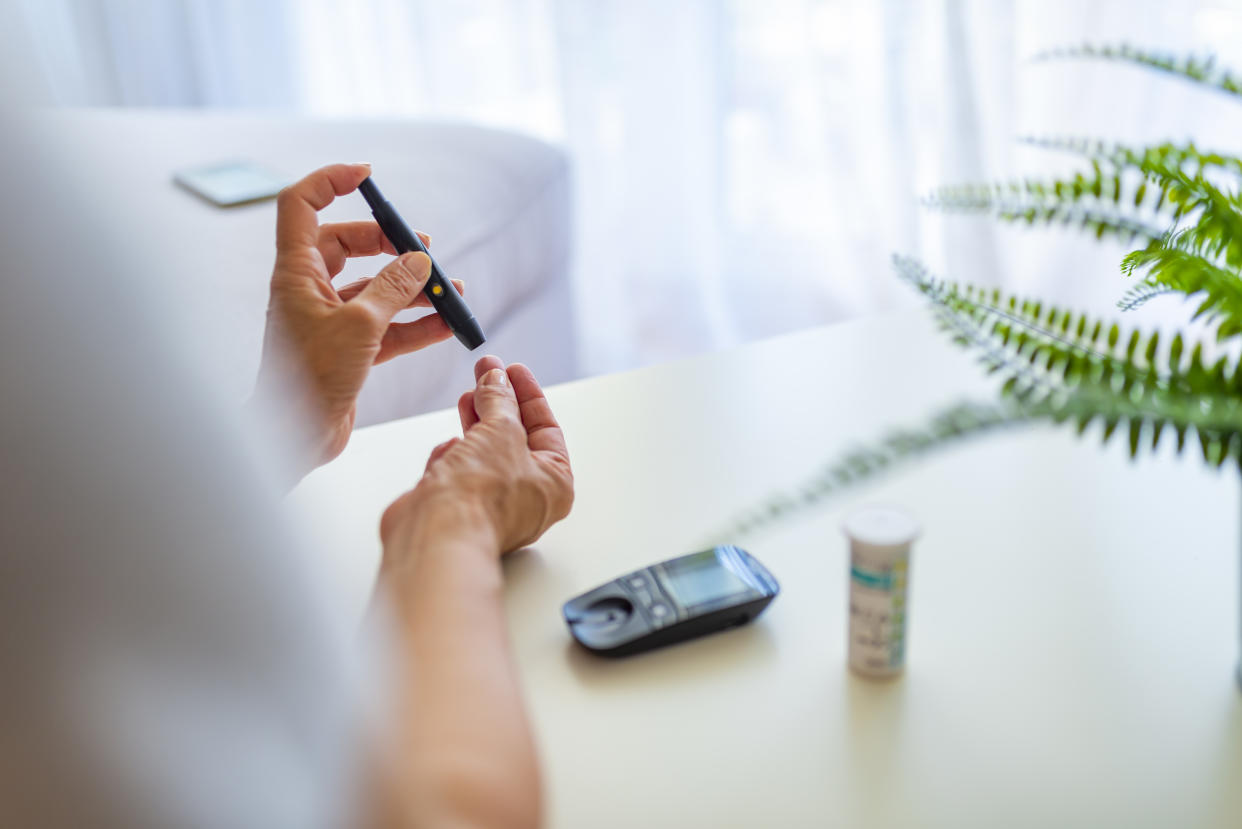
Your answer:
<point x="495" y="377"/>
<point x="366" y="164"/>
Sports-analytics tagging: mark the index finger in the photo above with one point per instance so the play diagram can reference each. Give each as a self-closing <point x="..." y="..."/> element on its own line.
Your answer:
<point x="297" y="206"/>
<point x="543" y="433"/>
<point x="339" y="241"/>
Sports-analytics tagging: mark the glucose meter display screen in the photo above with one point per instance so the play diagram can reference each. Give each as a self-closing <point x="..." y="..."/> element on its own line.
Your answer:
<point x="701" y="578"/>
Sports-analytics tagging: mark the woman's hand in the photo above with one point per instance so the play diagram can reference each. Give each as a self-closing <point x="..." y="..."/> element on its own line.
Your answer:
<point x="461" y="750"/>
<point x="500" y="486"/>
<point x="326" y="338"/>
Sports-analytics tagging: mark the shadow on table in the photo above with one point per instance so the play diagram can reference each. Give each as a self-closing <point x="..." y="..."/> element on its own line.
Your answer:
<point x="744" y="650"/>
<point x="714" y="657"/>
<point x="1225" y="786"/>
<point x="521" y="566"/>
<point x="875" y="741"/>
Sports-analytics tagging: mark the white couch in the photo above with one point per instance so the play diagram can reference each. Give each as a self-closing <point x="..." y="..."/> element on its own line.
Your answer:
<point x="495" y="203"/>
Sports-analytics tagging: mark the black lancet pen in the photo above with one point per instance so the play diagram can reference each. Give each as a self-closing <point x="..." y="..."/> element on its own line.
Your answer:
<point x="444" y="297"/>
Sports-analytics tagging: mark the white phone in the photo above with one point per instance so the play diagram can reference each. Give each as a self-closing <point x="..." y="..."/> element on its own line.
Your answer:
<point x="230" y="183"/>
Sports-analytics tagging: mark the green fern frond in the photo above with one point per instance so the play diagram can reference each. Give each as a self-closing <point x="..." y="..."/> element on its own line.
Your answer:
<point x="1184" y="240"/>
<point x="1141" y="294"/>
<point x="1200" y="70"/>
<point x="1193" y="194"/>
<point x="1172" y="179"/>
<point x="1190" y="273"/>
<point x="1186" y="156"/>
<point x="1149" y="188"/>
<point x="949" y="427"/>
<point x="1067" y="367"/>
<point x="1056" y="366"/>
<point x="1213" y="229"/>
<point x="1093" y="204"/>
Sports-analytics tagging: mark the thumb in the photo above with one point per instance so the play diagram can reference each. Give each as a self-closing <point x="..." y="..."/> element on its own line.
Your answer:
<point x="494" y="398"/>
<point x="397" y="285"/>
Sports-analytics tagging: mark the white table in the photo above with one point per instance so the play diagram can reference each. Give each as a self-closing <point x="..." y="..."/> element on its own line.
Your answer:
<point x="1073" y="615"/>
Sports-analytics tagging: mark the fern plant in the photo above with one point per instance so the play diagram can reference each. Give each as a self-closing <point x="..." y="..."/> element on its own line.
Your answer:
<point x="1180" y="208"/>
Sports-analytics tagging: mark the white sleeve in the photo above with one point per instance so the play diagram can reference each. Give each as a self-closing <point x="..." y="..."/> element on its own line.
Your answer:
<point x="166" y="655"/>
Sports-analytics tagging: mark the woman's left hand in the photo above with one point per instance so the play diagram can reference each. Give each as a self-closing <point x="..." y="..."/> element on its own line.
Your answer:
<point x="320" y="341"/>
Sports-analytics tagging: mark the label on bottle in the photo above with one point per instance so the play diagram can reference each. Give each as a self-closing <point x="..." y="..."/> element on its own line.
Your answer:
<point x="877" y="636"/>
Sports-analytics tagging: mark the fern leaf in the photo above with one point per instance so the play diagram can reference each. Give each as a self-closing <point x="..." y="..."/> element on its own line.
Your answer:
<point x="1055" y="366"/>
<point x="1148" y="191"/>
<point x="1186" y="272"/>
<point x="1165" y="155"/>
<point x="1070" y="202"/>
<point x="1127" y="193"/>
<point x="1197" y="69"/>
<point x="1141" y="294"/>
<point x="949" y="427"/>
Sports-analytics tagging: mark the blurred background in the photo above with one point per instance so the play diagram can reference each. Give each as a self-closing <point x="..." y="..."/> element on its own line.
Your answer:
<point x="739" y="168"/>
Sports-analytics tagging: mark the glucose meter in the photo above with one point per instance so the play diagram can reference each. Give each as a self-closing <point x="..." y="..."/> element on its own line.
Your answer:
<point x="672" y="601"/>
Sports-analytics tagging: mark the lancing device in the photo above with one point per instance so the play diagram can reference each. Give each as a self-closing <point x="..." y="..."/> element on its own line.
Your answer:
<point x="444" y="297"/>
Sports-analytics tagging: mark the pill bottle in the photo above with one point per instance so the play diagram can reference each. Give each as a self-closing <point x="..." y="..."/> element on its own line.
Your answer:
<point x="879" y="539"/>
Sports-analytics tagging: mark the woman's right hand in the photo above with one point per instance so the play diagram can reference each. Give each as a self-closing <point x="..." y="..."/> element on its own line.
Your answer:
<point x="501" y="486"/>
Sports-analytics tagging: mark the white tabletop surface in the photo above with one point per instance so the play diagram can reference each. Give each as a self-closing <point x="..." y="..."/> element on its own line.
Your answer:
<point x="1073" y="615"/>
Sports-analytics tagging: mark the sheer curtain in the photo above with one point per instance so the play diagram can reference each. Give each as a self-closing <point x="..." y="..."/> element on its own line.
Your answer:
<point x="743" y="168"/>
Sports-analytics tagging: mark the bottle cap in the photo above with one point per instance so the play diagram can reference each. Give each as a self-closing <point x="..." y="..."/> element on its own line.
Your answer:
<point x="881" y="526"/>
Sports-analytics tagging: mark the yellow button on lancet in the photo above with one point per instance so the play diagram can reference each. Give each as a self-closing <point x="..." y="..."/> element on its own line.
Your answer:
<point x="437" y="289"/>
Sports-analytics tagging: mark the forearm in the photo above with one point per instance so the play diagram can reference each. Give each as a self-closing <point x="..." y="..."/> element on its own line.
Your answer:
<point x="279" y="413"/>
<point x="466" y="754"/>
